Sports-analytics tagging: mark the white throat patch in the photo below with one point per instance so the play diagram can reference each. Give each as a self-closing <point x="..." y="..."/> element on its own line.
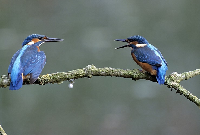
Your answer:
<point x="31" y="43"/>
<point x="140" y="45"/>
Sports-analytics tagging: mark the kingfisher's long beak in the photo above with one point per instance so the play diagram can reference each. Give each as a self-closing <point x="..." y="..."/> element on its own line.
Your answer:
<point x="123" y="46"/>
<point x="122" y="40"/>
<point x="47" y="39"/>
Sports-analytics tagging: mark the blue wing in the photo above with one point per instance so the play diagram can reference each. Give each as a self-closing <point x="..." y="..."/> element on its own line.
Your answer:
<point x="148" y="54"/>
<point x="161" y="71"/>
<point x="15" y="70"/>
<point x="33" y="64"/>
<point x="39" y="65"/>
<point x="12" y="61"/>
<point x="157" y="51"/>
<point x="151" y="55"/>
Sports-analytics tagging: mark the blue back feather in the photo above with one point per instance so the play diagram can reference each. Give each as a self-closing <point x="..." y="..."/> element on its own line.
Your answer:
<point x="15" y="69"/>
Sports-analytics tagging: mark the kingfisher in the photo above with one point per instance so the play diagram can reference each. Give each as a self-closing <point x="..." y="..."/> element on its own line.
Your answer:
<point x="148" y="57"/>
<point x="29" y="61"/>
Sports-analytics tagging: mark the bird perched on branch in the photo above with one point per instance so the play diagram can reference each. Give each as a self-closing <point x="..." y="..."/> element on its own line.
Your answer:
<point x="148" y="57"/>
<point x="28" y="61"/>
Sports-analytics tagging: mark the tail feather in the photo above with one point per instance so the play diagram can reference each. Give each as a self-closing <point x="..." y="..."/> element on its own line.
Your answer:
<point x="161" y="73"/>
<point x="15" y="85"/>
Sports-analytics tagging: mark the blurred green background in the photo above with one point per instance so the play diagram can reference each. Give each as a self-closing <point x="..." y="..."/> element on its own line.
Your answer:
<point x="101" y="105"/>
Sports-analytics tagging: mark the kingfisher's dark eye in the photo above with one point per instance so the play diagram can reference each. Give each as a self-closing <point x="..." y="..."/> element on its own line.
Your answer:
<point x="130" y="40"/>
<point x="39" y="38"/>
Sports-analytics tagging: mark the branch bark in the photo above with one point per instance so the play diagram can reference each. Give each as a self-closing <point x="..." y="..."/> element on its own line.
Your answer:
<point x="2" y="131"/>
<point x="172" y="81"/>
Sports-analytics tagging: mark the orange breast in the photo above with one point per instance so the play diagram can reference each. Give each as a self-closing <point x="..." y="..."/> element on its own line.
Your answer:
<point x="145" y="66"/>
<point x="38" y="48"/>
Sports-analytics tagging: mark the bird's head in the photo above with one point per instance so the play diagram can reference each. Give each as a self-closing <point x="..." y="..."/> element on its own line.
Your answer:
<point x="133" y="42"/>
<point x="40" y="39"/>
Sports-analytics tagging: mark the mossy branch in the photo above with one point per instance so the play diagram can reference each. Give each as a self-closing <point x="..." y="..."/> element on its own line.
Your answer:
<point x="172" y="81"/>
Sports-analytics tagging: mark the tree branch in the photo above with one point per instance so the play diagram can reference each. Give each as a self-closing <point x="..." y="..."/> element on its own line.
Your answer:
<point x="2" y="131"/>
<point x="172" y="81"/>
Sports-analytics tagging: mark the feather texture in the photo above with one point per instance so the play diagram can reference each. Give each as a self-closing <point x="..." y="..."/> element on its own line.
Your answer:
<point x="26" y="61"/>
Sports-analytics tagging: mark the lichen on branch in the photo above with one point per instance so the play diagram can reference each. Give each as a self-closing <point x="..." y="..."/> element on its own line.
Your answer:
<point x="172" y="81"/>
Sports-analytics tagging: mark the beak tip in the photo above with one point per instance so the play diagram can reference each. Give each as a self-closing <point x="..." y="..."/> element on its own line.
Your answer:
<point x="53" y="40"/>
<point x="122" y="40"/>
